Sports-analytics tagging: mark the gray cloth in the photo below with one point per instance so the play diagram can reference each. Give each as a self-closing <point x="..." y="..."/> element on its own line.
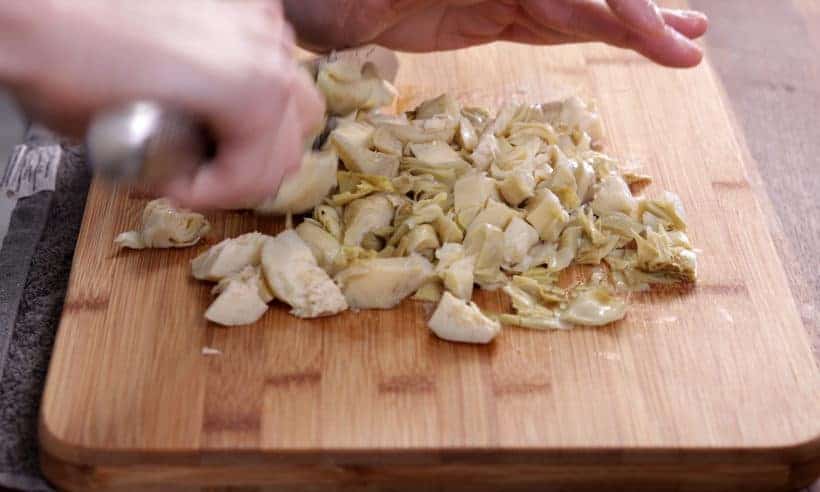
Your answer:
<point x="34" y="269"/>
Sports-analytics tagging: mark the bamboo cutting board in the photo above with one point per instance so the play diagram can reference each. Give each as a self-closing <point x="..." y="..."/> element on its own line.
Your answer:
<point x="713" y="388"/>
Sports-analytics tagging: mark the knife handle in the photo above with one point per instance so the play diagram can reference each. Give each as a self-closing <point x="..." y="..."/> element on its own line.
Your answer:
<point x="147" y="142"/>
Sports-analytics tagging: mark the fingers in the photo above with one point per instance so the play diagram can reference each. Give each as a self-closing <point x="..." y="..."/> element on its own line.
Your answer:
<point x="641" y="16"/>
<point x="690" y="23"/>
<point x="594" y="21"/>
<point x="252" y="162"/>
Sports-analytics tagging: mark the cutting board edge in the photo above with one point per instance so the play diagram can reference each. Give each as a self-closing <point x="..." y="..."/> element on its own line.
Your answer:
<point x="801" y="454"/>
<point x="640" y="476"/>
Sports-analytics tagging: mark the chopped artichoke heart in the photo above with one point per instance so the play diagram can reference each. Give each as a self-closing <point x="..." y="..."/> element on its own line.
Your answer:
<point x="594" y="307"/>
<point x="657" y="254"/>
<point x="444" y="104"/>
<point x="353" y="186"/>
<point x="467" y="137"/>
<point x="562" y="183"/>
<point x="366" y="215"/>
<point x="519" y="238"/>
<point x="322" y="244"/>
<point x="567" y="248"/>
<point x="517" y="187"/>
<point x="164" y="226"/>
<point x="462" y="321"/>
<point x="360" y="159"/>
<point x="494" y="213"/>
<point x="545" y="213"/>
<point x="441" y="128"/>
<point x="429" y="292"/>
<point x="436" y="153"/>
<point x="382" y="283"/>
<point x="330" y="220"/>
<point x="456" y="270"/>
<point x="348" y="87"/>
<point x="228" y="257"/>
<point x="486" y="243"/>
<point x="295" y="277"/>
<point x="667" y="211"/>
<point x="613" y="195"/>
<point x="433" y="201"/>
<point x="386" y="142"/>
<point x="422" y="240"/>
<point x="237" y="304"/>
<point x="307" y="187"/>
<point x="471" y="193"/>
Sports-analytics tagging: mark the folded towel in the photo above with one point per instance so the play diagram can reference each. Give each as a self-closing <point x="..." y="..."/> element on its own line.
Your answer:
<point x="34" y="270"/>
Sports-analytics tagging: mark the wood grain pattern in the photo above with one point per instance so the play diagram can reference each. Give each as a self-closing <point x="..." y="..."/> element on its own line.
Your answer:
<point x="713" y="388"/>
<point x="766" y="56"/>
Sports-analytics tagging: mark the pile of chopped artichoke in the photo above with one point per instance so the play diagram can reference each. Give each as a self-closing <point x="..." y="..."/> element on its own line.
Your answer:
<point x="434" y="201"/>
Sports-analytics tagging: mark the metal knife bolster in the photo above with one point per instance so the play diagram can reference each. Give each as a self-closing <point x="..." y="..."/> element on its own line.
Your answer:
<point x="144" y="141"/>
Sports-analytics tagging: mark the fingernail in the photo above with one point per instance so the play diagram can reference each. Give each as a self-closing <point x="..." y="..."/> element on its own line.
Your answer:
<point x="688" y="14"/>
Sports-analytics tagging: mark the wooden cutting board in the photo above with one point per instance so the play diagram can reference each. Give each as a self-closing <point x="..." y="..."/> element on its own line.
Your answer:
<point x="713" y="388"/>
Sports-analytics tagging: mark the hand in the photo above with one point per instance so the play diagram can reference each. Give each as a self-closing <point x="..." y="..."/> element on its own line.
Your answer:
<point x="230" y="63"/>
<point x="663" y="35"/>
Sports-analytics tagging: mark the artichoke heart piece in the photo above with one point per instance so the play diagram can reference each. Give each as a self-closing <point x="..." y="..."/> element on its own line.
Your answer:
<point x="251" y="275"/>
<point x="562" y="182"/>
<point x="322" y="244"/>
<point x="366" y="215"/>
<point x="429" y="292"/>
<point x="382" y="283"/>
<point x="595" y="306"/>
<point x="444" y="104"/>
<point x="307" y="187"/>
<point x="467" y="137"/>
<point x="494" y="213"/>
<point x="657" y="254"/>
<point x="590" y="253"/>
<point x="239" y="303"/>
<point x="421" y="240"/>
<point x="295" y="277"/>
<point x="351" y="141"/>
<point x="330" y="220"/>
<point x="462" y="321"/>
<point x="447" y="229"/>
<point x="485" y="151"/>
<point x="667" y="211"/>
<point x="349" y="86"/>
<point x="519" y="238"/>
<point x="612" y="196"/>
<point x="547" y="216"/>
<point x="438" y="128"/>
<point x="164" y="226"/>
<point x="486" y="244"/>
<point x="576" y="114"/>
<point x="385" y="142"/>
<point x="353" y="186"/>
<point x="470" y="194"/>
<point x="567" y="249"/>
<point x="529" y="313"/>
<point x="517" y="187"/>
<point x="228" y="257"/>
<point x="456" y="270"/>
<point x="436" y="154"/>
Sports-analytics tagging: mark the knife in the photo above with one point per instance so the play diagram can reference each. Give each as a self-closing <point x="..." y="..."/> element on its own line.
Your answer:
<point x="145" y="141"/>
